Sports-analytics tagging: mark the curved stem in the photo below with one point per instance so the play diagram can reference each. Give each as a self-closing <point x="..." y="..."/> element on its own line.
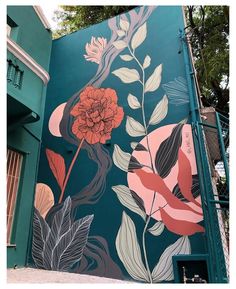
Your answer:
<point x="158" y="209"/>
<point x="152" y="164"/>
<point x="69" y="171"/>
<point x="144" y="249"/>
<point x="142" y="105"/>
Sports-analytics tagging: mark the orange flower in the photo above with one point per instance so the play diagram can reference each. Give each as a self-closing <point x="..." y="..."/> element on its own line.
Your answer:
<point x="96" y="114"/>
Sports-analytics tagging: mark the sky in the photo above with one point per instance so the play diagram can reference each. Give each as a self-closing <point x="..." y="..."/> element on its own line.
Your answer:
<point x="48" y="10"/>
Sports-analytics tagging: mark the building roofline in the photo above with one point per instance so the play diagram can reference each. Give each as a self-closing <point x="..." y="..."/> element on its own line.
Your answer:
<point x="42" y="17"/>
<point x="24" y="57"/>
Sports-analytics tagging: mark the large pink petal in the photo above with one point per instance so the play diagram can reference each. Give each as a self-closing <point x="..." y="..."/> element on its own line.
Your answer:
<point x="185" y="177"/>
<point x="180" y="227"/>
<point x="55" y="119"/>
<point x="155" y="182"/>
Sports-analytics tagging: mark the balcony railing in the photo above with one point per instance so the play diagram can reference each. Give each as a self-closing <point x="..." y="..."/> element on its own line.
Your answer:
<point x="14" y="74"/>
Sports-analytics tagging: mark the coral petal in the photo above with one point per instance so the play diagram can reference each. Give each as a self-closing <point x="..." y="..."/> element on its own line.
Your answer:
<point x="180" y="227"/>
<point x="185" y="177"/>
<point x="155" y="182"/>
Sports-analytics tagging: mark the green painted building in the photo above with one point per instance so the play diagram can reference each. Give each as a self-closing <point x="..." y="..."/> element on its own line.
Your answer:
<point x="111" y="168"/>
<point x="29" y="42"/>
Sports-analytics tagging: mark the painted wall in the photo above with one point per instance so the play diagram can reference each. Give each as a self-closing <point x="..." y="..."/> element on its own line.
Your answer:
<point x="118" y="193"/>
<point x="26" y="138"/>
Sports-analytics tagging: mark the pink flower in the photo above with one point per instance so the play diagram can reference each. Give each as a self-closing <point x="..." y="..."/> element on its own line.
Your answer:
<point x="95" y="49"/>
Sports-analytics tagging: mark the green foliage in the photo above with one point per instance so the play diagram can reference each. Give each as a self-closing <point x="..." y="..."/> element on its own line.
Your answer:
<point x="208" y="28"/>
<point x="72" y="18"/>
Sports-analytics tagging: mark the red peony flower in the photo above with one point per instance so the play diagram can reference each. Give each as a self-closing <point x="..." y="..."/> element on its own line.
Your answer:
<point x="96" y="114"/>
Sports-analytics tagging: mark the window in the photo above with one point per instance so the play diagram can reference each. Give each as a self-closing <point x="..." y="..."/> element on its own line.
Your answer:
<point x="12" y="29"/>
<point x="14" y="163"/>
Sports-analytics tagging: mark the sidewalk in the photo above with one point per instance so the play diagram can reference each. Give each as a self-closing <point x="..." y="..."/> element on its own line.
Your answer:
<point x="29" y="275"/>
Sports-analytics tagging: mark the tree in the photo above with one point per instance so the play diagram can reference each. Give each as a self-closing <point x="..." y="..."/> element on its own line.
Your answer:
<point x="72" y="18"/>
<point x="208" y="31"/>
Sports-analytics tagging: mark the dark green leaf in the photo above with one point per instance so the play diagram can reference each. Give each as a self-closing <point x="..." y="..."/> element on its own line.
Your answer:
<point x="195" y="189"/>
<point x="167" y="154"/>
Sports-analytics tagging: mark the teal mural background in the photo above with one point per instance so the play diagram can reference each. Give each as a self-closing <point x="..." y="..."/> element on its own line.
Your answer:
<point x="70" y="72"/>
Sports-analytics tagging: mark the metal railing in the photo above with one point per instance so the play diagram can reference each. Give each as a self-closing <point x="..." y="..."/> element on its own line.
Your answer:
<point x="214" y="172"/>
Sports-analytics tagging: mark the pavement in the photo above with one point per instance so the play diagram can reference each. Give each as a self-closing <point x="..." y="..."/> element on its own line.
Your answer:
<point x="30" y="275"/>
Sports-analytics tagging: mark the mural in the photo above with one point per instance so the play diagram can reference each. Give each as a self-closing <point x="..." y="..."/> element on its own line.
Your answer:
<point x="155" y="192"/>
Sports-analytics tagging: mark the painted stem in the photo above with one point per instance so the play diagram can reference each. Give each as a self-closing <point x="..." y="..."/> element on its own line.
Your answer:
<point x="144" y="249"/>
<point x="152" y="164"/>
<point x="69" y="171"/>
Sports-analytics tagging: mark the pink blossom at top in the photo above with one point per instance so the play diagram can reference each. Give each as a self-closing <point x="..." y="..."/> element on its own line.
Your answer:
<point x="95" y="49"/>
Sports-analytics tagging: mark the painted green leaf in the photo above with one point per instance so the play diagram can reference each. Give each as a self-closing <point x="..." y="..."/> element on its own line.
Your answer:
<point x="124" y="25"/>
<point x="163" y="271"/>
<point x="120" y="33"/>
<point x="120" y="158"/>
<point x="154" y="80"/>
<point x="147" y="62"/>
<point x="134" y="128"/>
<point x="128" y="249"/>
<point x="127" y="75"/>
<point x="126" y="198"/>
<point x="133" y="101"/>
<point x="139" y="36"/>
<point x="126" y="57"/>
<point x="119" y="44"/>
<point x="160" y="111"/>
<point x="157" y="229"/>
<point x="138" y="200"/>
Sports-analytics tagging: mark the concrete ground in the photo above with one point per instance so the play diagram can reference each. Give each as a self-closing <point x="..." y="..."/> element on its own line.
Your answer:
<point x="29" y="275"/>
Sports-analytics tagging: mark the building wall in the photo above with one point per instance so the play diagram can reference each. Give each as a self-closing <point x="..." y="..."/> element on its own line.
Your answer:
<point x="117" y="147"/>
<point x="24" y="136"/>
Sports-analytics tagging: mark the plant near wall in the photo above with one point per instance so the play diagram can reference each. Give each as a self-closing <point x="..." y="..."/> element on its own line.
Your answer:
<point x="60" y="246"/>
<point x="152" y="177"/>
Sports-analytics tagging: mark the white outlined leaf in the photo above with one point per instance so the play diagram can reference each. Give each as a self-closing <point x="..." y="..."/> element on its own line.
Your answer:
<point x="163" y="271"/>
<point x="124" y="25"/>
<point x="139" y="36"/>
<point x="127" y="75"/>
<point x="157" y="228"/>
<point x="134" y="128"/>
<point x="126" y="57"/>
<point x="133" y="101"/>
<point x="128" y="249"/>
<point x="154" y="80"/>
<point x="125" y="197"/>
<point x="147" y="62"/>
<point x="120" y="158"/>
<point x="119" y="44"/>
<point x="133" y="144"/>
<point x="160" y="111"/>
<point x="120" y="33"/>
